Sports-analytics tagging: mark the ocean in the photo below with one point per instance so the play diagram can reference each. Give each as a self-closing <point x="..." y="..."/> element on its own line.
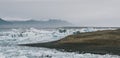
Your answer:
<point x="10" y="38"/>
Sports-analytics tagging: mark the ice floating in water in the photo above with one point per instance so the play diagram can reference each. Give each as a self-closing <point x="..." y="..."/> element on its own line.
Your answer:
<point x="33" y="35"/>
<point x="8" y="39"/>
<point x="29" y="52"/>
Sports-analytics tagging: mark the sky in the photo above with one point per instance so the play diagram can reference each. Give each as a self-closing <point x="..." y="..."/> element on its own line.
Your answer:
<point x="78" y="12"/>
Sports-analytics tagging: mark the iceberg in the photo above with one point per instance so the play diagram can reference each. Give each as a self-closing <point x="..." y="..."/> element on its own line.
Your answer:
<point x="10" y="39"/>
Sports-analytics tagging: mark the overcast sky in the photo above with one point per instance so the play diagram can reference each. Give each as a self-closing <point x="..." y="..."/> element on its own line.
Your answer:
<point x="79" y="12"/>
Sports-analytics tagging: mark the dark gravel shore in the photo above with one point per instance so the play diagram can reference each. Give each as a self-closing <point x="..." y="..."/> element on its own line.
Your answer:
<point x="100" y="42"/>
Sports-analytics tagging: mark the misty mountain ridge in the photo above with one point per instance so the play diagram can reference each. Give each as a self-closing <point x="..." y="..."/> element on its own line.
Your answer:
<point x="35" y="23"/>
<point x="50" y="21"/>
<point x="2" y="22"/>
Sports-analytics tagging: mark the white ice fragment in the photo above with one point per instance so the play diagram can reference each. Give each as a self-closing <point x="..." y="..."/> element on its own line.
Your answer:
<point x="2" y="55"/>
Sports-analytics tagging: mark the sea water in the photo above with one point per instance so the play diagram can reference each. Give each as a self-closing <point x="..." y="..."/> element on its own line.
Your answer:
<point x="9" y="38"/>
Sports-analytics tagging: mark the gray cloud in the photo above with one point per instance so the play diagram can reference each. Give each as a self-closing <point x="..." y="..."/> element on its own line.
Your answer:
<point x="80" y="12"/>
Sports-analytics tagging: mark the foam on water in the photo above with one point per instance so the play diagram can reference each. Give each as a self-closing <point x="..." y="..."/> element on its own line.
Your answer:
<point x="9" y="49"/>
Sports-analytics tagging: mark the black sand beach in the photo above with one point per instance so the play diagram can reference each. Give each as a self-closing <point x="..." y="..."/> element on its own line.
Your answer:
<point x="99" y="42"/>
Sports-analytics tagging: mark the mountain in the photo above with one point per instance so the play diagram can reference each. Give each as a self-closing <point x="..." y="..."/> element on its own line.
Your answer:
<point x="51" y="23"/>
<point x="43" y="24"/>
<point x="3" y="22"/>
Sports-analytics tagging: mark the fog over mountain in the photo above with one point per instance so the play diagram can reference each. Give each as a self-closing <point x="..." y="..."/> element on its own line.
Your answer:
<point x="51" y="23"/>
<point x="3" y="22"/>
<point x="79" y="12"/>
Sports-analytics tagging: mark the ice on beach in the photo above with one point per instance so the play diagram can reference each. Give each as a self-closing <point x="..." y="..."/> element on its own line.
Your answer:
<point x="33" y="52"/>
<point x="9" y="40"/>
<point x="32" y="35"/>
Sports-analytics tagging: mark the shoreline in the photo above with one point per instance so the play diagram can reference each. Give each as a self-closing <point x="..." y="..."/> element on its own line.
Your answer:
<point x="99" y="42"/>
<point x="81" y="49"/>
